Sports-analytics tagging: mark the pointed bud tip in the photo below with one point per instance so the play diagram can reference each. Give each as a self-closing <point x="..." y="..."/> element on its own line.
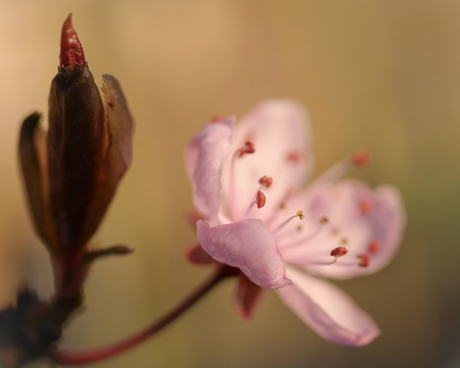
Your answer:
<point x="71" y="49"/>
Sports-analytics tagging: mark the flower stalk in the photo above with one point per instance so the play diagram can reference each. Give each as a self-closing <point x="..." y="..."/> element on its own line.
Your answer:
<point x="84" y="357"/>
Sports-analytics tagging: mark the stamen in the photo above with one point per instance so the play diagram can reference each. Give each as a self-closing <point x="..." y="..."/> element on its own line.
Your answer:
<point x="248" y="149"/>
<point x="335" y="231"/>
<point x="374" y="247"/>
<point x="363" y="260"/>
<point x="360" y="158"/>
<point x="344" y="241"/>
<point x="339" y="252"/>
<point x="260" y="202"/>
<point x="298" y="214"/>
<point x="266" y="181"/>
<point x="260" y="199"/>
<point x="365" y="207"/>
<point x="336" y="253"/>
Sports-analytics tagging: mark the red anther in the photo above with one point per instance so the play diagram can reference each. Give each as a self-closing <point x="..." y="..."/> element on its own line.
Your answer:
<point x="248" y="149"/>
<point x="374" y="246"/>
<point x="360" y="158"/>
<point x="71" y="49"/>
<point x="266" y="180"/>
<point x="363" y="260"/>
<point x="260" y="199"/>
<point x="365" y="207"/>
<point x="339" y="252"/>
<point x="218" y="118"/>
<point x="294" y="156"/>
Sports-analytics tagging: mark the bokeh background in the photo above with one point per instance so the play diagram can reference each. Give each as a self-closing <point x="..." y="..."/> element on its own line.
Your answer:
<point x="381" y="74"/>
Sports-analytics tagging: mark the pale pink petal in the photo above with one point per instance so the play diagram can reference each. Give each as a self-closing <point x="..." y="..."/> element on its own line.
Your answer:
<point x="279" y="130"/>
<point x="357" y="216"/>
<point x="248" y="245"/>
<point x="247" y="297"/>
<point x="328" y="311"/>
<point x="196" y="255"/>
<point x="204" y="160"/>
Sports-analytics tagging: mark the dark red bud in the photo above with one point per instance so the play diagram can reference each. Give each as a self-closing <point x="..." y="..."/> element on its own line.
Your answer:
<point x="72" y="176"/>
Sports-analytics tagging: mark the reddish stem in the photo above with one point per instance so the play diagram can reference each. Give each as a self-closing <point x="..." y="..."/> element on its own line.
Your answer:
<point x="83" y="357"/>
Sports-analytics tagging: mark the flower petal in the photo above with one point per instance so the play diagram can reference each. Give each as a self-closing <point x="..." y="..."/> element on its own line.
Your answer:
<point x="358" y="215"/>
<point x="203" y="160"/>
<point x="247" y="297"/>
<point x="248" y="245"/>
<point x="278" y="129"/>
<point x="330" y="312"/>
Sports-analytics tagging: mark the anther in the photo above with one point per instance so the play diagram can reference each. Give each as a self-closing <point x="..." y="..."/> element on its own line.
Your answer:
<point x="360" y="158"/>
<point x="339" y="252"/>
<point x="335" y="231"/>
<point x="344" y="241"/>
<point x="300" y="214"/>
<point x="324" y="220"/>
<point x="374" y="246"/>
<point x="266" y="181"/>
<point x="363" y="260"/>
<point x="260" y="199"/>
<point x="250" y="148"/>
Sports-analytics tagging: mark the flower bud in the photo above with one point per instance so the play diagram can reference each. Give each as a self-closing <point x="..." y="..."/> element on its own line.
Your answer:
<point x="71" y="176"/>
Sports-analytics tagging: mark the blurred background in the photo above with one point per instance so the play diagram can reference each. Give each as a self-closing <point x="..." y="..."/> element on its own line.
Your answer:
<point x="379" y="74"/>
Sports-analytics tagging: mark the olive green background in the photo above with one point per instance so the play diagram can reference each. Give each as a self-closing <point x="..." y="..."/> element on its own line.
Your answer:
<point x="380" y="74"/>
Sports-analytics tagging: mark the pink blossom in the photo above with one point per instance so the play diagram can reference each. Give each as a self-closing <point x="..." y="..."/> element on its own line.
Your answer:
<point x="257" y="215"/>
